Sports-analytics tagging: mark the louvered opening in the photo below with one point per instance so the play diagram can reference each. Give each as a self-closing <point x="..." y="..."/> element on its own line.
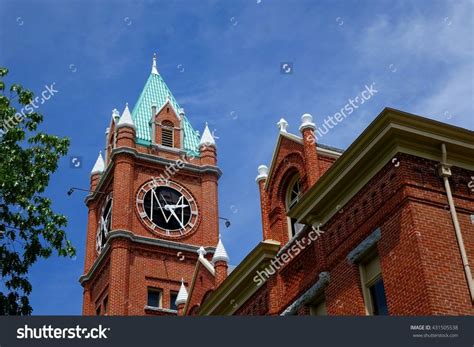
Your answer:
<point x="167" y="136"/>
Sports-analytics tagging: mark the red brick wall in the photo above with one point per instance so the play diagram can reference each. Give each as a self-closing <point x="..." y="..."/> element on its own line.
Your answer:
<point x="134" y="267"/>
<point x="420" y="260"/>
<point x="204" y="285"/>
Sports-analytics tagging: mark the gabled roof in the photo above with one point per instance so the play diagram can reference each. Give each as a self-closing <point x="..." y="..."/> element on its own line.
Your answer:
<point x="321" y="148"/>
<point x="156" y="92"/>
<point x="203" y="266"/>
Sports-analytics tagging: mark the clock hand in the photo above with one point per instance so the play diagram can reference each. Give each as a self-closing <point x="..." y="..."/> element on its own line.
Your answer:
<point x="161" y="207"/>
<point x="175" y="216"/>
<point x="175" y="206"/>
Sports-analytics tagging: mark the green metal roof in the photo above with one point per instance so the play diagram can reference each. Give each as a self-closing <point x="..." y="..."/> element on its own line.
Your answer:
<point x="156" y="92"/>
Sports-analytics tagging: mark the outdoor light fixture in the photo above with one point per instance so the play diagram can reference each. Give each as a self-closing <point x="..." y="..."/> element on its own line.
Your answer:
<point x="72" y="189"/>
<point x="227" y="221"/>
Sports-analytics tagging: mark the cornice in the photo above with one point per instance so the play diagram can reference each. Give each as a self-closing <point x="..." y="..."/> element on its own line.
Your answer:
<point x="151" y="159"/>
<point x="125" y="234"/>
<point x="392" y="132"/>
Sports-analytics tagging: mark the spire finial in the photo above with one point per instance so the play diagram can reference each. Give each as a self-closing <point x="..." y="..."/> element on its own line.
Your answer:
<point x="282" y="124"/>
<point x="201" y="251"/>
<point x="207" y="139"/>
<point x="154" y="69"/>
<point x="99" y="165"/>
<point x="220" y="253"/>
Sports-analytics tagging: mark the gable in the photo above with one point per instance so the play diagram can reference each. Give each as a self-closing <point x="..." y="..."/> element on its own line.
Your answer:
<point x="156" y="93"/>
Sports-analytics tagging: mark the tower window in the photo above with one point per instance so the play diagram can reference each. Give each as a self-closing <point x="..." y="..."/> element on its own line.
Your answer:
<point x="154" y="297"/>
<point x="173" y="297"/>
<point x="167" y="130"/>
<point x="293" y="195"/>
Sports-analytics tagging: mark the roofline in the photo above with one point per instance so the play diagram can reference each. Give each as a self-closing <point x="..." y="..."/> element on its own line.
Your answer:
<point x="393" y="131"/>
<point x="236" y="283"/>
<point x="332" y="152"/>
<point x="199" y="263"/>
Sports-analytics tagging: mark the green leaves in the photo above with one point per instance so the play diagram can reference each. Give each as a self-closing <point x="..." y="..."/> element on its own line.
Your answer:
<point x="32" y="229"/>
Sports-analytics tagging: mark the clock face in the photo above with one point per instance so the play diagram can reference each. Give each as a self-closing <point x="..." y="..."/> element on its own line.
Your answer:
<point x="105" y="219"/>
<point x="167" y="208"/>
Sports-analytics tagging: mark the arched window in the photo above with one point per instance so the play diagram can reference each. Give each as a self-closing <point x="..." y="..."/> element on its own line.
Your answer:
<point x="293" y="195"/>
<point x="167" y="138"/>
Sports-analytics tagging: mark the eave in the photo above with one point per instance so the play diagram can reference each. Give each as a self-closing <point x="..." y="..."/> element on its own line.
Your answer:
<point x="239" y="285"/>
<point x="392" y="132"/>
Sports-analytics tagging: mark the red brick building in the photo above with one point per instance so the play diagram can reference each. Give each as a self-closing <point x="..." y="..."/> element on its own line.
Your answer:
<point x="385" y="227"/>
<point x="153" y="204"/>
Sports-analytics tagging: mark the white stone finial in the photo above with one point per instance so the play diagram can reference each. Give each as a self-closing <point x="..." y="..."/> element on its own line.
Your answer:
<point x="282" y="124"/>
<point x="154" y="69"/>
<point x="201" y="251"/>
<point x="107" y="130"/>
<point x="99" y="165"/>
<point x="220" y="254"/>
<point x="115" y="115"/>
<point x="182" y="295"/>
<point x="126" y="119"/>
<point x="307" y="122"/>
<point x="262" y="173"/>
<point x="207" y="139"/>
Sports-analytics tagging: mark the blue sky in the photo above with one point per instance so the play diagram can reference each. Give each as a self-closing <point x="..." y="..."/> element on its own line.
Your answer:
<point x="221" y="59"/>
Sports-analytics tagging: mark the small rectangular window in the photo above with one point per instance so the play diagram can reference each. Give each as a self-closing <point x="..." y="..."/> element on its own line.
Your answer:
<point x="378" y="299"/>
<point x="173" y="297"/>
<point x="154" y="297"/>
<point x="372" y="287"/>
<point x="167" y="136"/>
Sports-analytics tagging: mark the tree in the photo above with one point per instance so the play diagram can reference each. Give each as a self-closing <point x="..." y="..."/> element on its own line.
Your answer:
<point x="29" y="229"/>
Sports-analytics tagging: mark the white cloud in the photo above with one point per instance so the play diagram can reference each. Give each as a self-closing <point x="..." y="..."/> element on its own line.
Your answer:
<point x="434" y="58"/>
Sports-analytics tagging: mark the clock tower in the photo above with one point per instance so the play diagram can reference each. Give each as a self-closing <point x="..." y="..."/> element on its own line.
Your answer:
<point x="152" y="205"/>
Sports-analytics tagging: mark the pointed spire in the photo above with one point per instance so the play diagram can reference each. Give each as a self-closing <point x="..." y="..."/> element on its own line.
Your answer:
<point x="99" y="165"/>
<point x="126" y="119"/>
<point x="207" y="139"/>
<point x="283" y="124"/>
<point x="220" y="254"/>
<point x="154" y="69"/>
<point x="182" y="294"/>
